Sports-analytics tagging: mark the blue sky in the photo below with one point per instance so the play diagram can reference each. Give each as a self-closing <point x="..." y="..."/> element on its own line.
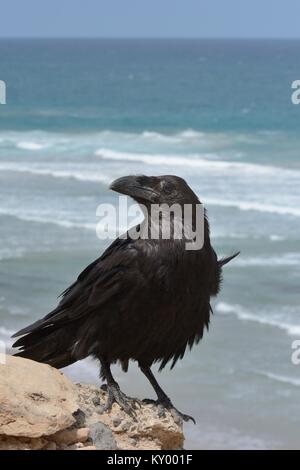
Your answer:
<point x="150" y="18"/>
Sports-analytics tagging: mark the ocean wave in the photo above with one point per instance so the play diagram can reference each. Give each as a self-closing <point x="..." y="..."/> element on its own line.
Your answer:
<point x="185" y="141"/>
<point x="47" y="220"/>
<point x="224" y="234"/>
<point x="205" y="161"/>
<point x="264" y="319"/>
<point x="215" y="233"/>
<point x="100" y="228"/>
<point x="157" y="159"/>
<point x="288" y="259"/>
<point x="254" y="206"/>
<point x="30" y="145"/>
<point x="191" y="134"/>
<point x="79" y="175"/>
<point x="280" y="378"/>
<point x="276" y="238"/>
<point x="93" y="177"/>
<point x="157" y="137"/>
<point x="30" y="140"/>
<point x="103" y="144"/>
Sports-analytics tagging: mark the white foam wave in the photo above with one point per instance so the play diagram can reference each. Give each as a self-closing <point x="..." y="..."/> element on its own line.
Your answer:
<point x="191" y="134"/>
<point x="92" y="176"/>
<point x="195" y="161"/>
<point x="79" y="175"/>
<point x="276" y="238"/>
<point x="240" y="235"/>
<point x="254" y="206"/>
<point x="289" y="259"/>
<point x="47" y="220"/>
<point x="157" y="137"/>
<point x="281" y="378"/>
<point x="30" y="145"/>
<point x="35" y="140"/>
<point x="264" y="319"/>
<point x="157" y="159"/>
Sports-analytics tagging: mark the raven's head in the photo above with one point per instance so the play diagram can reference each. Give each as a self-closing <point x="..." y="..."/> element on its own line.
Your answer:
<point x="146" y="190"/>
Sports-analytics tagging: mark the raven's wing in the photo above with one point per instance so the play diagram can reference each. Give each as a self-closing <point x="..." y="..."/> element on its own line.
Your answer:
<point x="108" y="276"/>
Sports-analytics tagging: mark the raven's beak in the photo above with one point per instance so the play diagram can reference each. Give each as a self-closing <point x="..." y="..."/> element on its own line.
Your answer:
<point x="138" y="187"/>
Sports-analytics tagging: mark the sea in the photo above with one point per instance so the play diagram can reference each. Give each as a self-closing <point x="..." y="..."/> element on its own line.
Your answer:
<point x="80" y="113"/>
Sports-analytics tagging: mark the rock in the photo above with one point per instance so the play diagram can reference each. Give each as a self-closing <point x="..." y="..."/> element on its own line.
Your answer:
<point x="41" y="409"/>
<point x="116" y="421"/>
<point x="50" y="446"/>
<point x="35" y="400"/>
<point x="88" y="448"/>
<point x="70" y="436"/>
<point x="22" y="443"/>
<point x="102" y="437"/>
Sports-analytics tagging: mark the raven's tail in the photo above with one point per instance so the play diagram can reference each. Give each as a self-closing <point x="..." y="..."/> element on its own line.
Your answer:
<point x="47" y="345"/>
<point x="226" y="260"/>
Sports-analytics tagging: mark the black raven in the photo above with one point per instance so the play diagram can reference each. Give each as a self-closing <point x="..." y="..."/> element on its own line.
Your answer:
<point x="145" y="300"/>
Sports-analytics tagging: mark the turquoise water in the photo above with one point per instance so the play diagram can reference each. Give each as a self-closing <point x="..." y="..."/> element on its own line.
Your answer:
<point x="80" y="113"/>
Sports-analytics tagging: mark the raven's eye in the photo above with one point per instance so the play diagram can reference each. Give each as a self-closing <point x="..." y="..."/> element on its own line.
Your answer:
<point x="167" y="187"/>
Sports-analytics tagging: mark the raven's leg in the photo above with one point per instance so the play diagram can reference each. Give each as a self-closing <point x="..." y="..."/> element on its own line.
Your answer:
<point x="163" y="401"/>
<point x="115" y="395"/>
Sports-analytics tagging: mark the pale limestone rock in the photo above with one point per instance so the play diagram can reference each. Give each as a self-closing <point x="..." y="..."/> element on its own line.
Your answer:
<point x="35" y="399"/>
<point x="148" y="431"/>
<point x="41" y="409"/>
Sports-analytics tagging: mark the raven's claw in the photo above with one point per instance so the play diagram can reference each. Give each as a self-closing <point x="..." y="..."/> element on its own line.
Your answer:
<point x="115" y="395"/>
<point x="166" y="404"/>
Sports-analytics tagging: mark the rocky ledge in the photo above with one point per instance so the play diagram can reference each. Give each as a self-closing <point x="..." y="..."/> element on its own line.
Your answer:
<point x="41" y="409"/>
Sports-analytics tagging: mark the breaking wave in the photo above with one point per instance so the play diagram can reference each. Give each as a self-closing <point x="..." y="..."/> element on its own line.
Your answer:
<point x="263" y="318"/>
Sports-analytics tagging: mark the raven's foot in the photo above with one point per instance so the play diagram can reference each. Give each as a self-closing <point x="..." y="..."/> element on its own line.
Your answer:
<point x="115" y="395"/>
<point x="164" y="404"/>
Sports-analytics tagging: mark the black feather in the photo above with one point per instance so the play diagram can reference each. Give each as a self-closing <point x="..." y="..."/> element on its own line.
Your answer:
<point x="226" y="260"/>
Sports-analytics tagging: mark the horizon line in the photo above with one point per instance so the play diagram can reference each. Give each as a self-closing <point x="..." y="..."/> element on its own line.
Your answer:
<point x="174" y="38"/>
